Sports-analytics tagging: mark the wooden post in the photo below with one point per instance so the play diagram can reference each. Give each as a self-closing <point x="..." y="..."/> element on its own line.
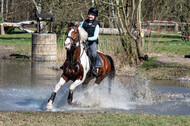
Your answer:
<point x="2" y="29"/>
<point x="176" y="27"/>
<point x="38" y="26"/>
<point x="51" y="27"/>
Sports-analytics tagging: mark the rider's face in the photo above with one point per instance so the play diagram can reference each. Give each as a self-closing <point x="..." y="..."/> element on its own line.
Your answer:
<point x="91" y="17"/>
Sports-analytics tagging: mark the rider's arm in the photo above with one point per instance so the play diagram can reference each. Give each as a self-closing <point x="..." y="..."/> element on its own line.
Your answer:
<point x="81" y="24"/>
<point x="96" y="33"/>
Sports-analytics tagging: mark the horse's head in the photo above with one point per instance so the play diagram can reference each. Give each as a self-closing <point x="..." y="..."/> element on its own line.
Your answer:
<point x="72" y="34"/>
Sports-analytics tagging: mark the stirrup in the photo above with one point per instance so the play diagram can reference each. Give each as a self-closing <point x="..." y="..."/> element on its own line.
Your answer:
<point x="94" y="72"/>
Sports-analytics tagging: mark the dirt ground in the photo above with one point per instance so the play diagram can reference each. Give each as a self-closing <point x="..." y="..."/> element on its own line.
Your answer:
<point x="171" y="58"/>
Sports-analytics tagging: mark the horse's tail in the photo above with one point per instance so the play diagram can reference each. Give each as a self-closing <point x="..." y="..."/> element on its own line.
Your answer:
<point x="112" y="73"/>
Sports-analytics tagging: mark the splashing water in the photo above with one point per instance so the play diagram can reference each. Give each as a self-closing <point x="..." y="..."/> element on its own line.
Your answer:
<point x="122" y="96"/>
<point x="30" y="84"/>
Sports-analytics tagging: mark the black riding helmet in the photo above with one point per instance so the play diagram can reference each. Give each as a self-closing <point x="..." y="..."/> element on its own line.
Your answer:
<point x="93" y="11"/>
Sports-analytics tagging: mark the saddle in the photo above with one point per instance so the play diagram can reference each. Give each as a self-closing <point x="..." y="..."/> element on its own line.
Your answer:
<point x="98" y="59"/>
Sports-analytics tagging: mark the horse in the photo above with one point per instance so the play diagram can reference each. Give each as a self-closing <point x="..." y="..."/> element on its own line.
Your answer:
<point x="77" y="66"/>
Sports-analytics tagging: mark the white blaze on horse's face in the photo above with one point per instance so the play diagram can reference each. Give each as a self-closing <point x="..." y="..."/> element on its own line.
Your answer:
<point x="68" y="40"/>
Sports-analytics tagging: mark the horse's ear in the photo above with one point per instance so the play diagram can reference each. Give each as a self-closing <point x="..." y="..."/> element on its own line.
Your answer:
<point x="69" y="23"/>
<point x="78" y="24"/>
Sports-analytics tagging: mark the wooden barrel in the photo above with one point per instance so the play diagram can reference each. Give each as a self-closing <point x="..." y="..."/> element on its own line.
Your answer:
<point x="44" y="47"/>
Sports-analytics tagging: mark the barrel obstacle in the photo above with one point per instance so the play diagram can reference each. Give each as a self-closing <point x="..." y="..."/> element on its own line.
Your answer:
<point x="44" y="44"/>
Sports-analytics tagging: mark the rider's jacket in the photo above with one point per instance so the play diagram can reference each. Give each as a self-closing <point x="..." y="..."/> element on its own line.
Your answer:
<point x="92" y="29"/>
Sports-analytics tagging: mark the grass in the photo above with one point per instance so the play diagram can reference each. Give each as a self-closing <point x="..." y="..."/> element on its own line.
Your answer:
<point x="150" y="64"/>
<point x="167" y="44"/>
<point x="108" y="43"/>
<point x="89" y="119"/>
<point x="158" y="70"/>
<point x="21" y="42"/>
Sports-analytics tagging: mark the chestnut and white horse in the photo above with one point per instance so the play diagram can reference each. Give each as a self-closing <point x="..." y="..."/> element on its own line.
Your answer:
<point x="77" y="65"/>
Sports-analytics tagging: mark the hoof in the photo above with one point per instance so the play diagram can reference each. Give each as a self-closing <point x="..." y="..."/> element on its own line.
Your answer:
<point x="70" y="102"/>
<point x="49" y="106"/>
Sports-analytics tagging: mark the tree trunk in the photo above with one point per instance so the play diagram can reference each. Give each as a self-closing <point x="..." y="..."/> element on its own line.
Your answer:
<point x="131" y="37"/>
<point x="7" y="7"/>
<point x="2" y="5"/>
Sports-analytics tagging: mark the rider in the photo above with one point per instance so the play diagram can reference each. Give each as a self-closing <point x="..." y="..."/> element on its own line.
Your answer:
<point x="91" y="26"/>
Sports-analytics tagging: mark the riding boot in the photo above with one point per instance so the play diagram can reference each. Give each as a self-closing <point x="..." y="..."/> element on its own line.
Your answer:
<point x="94" y="72"/>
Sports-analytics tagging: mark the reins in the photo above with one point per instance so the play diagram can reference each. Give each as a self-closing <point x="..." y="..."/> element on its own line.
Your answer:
<point x="78" y="59"/>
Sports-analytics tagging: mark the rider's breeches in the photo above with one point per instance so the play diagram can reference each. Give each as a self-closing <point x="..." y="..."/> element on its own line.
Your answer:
<point x="92" y="50"/>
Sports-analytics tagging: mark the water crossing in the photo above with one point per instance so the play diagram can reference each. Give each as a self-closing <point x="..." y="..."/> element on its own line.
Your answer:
<point x="26" y="86"/>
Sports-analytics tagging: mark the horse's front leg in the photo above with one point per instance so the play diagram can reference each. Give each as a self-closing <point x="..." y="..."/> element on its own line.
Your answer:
<point x="49" y="106"/>
<point x="72" y="88"/>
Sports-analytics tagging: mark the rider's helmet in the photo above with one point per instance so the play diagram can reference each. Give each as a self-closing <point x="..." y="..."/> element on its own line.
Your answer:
<point x="93" y="11"/>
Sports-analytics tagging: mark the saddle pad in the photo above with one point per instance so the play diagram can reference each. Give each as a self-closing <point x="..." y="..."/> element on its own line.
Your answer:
<point x="98" y="61"/>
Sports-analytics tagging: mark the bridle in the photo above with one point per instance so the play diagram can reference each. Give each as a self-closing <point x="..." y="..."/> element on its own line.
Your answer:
<point x="74" y="40"/>
<point x="72" y="45"/>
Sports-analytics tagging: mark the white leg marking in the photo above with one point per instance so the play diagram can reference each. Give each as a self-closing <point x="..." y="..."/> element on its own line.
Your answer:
<point x="49" y="106"/>
<point x="59" y="84"/>
<point x="75" y="84"/>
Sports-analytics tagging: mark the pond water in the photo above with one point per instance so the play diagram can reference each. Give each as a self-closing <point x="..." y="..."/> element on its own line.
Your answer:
<point x="26" y="86"/>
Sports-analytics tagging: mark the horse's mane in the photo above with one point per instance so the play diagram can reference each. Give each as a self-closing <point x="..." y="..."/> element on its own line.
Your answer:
<point x="83" y="34"/>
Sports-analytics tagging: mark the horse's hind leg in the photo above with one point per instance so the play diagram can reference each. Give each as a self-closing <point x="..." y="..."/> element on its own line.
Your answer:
<point x="49" y="106"/>
<point x="99" y="79"/>
<point x="110" y="81"/>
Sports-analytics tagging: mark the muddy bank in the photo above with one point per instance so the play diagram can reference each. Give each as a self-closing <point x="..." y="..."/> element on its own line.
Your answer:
<point x="166" y="66"/>
<point x="171" y="58"/>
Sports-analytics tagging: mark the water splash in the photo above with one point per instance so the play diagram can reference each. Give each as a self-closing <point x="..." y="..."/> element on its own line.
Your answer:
<point x="122" y="96"/>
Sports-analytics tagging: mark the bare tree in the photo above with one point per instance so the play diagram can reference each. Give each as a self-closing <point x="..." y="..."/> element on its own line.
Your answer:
<point x="130" y="35"/>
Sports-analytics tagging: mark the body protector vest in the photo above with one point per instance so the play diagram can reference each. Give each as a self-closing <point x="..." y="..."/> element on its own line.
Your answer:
<point x="90" y="29"/>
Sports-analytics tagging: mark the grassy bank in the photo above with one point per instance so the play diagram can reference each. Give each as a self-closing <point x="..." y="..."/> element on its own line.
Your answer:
<point x="88" y="119"/>
<point x="165" y="44"/>
<point x="158" y="70"/>
<point x="21" y="42"/>
<point x="158" y="43"/>
<point x="108" y="43"/>
<point x="111" y="45"/>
